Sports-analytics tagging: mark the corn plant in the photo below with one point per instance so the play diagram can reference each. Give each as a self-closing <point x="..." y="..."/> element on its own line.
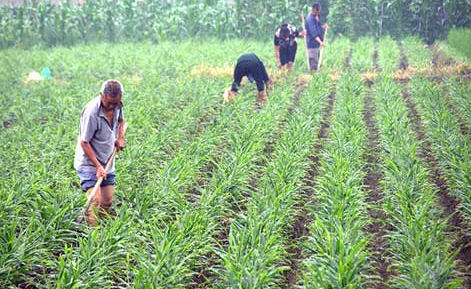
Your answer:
<point x="362" y="54"/>
<point x="388" y="54"/>
<point x="422" y="255"/>
<point x="34" y="22"/>
<point x="448" y="144"/>
<point x="418" y="56"/>
<point x="336" y="255"/>
<point x="257" y="239"/>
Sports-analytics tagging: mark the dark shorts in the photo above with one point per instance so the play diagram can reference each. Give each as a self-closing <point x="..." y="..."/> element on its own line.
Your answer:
<point x="89" y="179"/>
<point x="288" y="53"/>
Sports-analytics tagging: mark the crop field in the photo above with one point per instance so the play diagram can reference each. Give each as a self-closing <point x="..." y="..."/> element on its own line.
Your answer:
<point x="358" y="176"/>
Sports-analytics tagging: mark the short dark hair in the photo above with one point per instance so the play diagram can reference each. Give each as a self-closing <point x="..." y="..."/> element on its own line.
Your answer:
<point x="316" y="6"/>
<point x="284" y="30"/>
<point x="112" y="88"/>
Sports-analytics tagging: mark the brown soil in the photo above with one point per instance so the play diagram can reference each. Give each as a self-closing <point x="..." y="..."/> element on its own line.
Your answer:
<point x="297" y="96"/>
<point x="378" y="228"/>
<point x="458" y="226"/>
<point x="404" y="64"/>
<point x="25" y="285"/>
<point x="8" y="123"/>
<point x="201" y="279"/>
<point x="439" y="59"/>
<point x="270" y="146"/>
<point x="375" y="60"/>
<point x="348" y="60"/>
<point x="299" y="230"/>
<point x="207" y="170"/>
<point x="465" y="76"/>
<point x="195" y="192"/>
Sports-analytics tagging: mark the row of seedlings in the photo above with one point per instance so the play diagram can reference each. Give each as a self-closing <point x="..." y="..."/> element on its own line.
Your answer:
<point x="43" y="209"/>
<point x="258" y="238"/>
<point x="388" y="54"/>
<point x="156" y="138"/>
<point x="163" y="192"/>
<point x="418" y="56"/>
<point x="421" y="252"/>
<point x="459" y="92"/>
<point x="154" y="201"/>
<point x="336" y="252"/>
<point x="336" y="53"/>
<point x="452" y="53"/>
<point x="155" y="142"/>
<point x="448" y="143"/>
<point x="181" y="246"/>
<point x="362" y="54"/>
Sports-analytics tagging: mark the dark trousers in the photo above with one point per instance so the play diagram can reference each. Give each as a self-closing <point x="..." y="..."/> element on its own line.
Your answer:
<point x="254" y="68"/>
<point x="288" y="53"/>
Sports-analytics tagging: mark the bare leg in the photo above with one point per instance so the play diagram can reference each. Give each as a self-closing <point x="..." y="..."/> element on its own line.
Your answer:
<point x="261" y="96"/>
<point x="91" y="216"/>
<point x="100" y="203"/>
<point x="106" y="199"/>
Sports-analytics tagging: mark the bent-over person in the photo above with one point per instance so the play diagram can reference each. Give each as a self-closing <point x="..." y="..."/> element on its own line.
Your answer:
<point x="249" y="65"/>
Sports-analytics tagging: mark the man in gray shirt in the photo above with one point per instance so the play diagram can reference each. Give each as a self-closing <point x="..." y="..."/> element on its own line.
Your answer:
<point x="101" y="129"/>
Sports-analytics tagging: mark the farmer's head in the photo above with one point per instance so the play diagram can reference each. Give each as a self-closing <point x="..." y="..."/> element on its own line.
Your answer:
<point x="316" y="9"/>
<point x="284" y="31"/>
<point x="111" y="93"/>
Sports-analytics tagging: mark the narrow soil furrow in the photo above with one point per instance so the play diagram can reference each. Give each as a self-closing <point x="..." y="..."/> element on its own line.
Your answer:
<point x="299" y="230"/>
<point x="404" y="64"/>
<point x="439" y="59"/>
<point x="269" y="148"/>
<point x="192" y="132"/>
<point x="200" y="280"/>
<point x="458" y="226"/>
<point x="375" y="60"/>
<point x="204" y="122"/>
<point x="378" y="228"/>
<point x="466" y="75"/>
<point x="271" y="143"/>
<point x="348" y="60"/>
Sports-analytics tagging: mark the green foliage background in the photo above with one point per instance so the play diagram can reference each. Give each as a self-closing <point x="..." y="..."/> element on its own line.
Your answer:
<point x="460" y="39"/>
<point x="40" y="22"/>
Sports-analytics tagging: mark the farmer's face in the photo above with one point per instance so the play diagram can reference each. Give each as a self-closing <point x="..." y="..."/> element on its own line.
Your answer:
<point x="315" y="12"/>
<point x="109" y="102"/>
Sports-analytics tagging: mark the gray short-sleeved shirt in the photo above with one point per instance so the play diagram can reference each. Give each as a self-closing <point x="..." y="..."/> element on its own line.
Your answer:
<point x="95" y="129"/>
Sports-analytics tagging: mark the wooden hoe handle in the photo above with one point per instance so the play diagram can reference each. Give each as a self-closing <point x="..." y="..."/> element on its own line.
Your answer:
<point x="100" y="179"/>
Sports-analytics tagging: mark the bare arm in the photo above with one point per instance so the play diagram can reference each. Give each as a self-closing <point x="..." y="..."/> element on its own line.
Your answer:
<point x="87" y="148"/>
<point x="120" y="143"/>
